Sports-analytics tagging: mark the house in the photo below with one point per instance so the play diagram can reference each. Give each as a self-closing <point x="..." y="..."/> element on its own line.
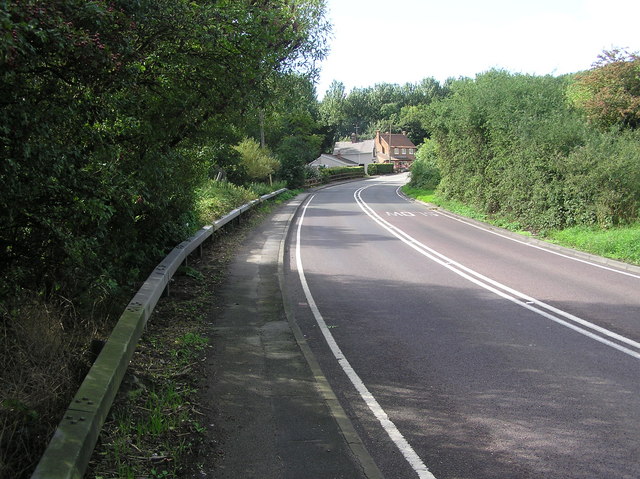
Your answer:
<point x="348" y="153"/>
<point x="394" y="148"/>
<point x="356" y="150"/>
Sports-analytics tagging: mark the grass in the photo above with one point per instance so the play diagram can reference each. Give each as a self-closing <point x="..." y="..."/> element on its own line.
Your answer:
<point x="619" y="243"/>
<point x="214" y="199"/>
<point x="45" y="354"/>
<point x="430" y="196"/>
<point x="155" y="428"/>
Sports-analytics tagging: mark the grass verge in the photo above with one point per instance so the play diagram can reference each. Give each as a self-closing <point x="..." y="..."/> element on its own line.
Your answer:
<point x="154" y="428"/>
<point x="45" y="352"/>
<point x="619" y="243"/>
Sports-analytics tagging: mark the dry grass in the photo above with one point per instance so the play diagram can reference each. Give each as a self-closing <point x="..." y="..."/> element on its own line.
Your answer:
<point x="43" y="362"/>
<point x="44" y="353"/>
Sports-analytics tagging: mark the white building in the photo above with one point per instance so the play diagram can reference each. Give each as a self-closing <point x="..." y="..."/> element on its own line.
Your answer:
<point x="348" y="153"/>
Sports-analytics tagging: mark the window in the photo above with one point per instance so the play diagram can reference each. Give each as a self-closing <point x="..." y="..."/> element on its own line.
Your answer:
<point x="411" y="151"/>
<point x="395" y="151"/>
<point x="404" y="151"/>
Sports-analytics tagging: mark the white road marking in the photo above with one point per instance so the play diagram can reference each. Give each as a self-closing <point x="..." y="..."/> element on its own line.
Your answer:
<point x="502" y="290"/>
<point x="396" y="436"/>
<point x="530" y="245"/>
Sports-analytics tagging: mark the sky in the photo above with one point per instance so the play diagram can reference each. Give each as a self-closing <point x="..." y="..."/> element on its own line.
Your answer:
<point x="404" y="41"/>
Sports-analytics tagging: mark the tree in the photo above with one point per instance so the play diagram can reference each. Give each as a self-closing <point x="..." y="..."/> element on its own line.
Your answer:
<point x="257" y="161"/>
<point x="295" y="152"/>
<point x="382" y="106"/>
<point x="332" y="109"/>
<point x="609" y="93"/>
<point x="106" y="108"/>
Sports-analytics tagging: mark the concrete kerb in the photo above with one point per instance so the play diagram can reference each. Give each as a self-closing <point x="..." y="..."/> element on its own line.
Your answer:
<point x="72" y="444"/>
<point x="581" y="255"/>
<point x="358" y="449"/>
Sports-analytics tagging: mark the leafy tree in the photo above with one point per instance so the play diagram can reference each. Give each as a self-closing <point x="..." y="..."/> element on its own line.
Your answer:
<point x="107" y="112"/>
<point x="257" y="161"/>
<point x="609" y="93"/>
<point x="112" y="112"/>
<point x="413" y="119"/>
<point x="380" y="107"/>
<point x="332" y="109"/>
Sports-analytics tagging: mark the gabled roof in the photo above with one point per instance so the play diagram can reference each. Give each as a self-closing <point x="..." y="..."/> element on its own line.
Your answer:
<point x="325" y="157"/>
<point x="349" y="148"/>
<point x="397" y="140"/>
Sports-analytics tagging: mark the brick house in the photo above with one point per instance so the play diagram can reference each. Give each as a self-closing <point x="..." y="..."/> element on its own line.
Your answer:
<point x="394" y="148"/>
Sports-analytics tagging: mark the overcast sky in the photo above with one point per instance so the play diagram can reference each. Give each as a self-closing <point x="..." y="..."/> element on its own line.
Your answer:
<point x="400" y="41"/>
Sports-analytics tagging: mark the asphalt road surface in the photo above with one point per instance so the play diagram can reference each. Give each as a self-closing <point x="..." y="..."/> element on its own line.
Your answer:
<point x="461" y="352"/>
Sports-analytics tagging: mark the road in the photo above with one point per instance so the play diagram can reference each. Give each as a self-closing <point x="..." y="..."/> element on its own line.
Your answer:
<point x="461" y="352"/>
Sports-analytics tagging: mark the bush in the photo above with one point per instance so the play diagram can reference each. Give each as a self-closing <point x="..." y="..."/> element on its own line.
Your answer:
<point x="603" y="180"/>
<point x="379" y="169"/>
<point x="425" y="173"/>
<point x="342" y="170"/>
<point x="512" y="145"/>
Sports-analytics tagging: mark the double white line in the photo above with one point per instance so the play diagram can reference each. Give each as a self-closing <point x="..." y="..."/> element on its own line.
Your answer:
<point x="593" y="331"/>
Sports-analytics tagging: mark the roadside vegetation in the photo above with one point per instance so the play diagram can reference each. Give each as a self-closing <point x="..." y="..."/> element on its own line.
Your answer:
<point x="621" y="243"/>
<point x="126" y="126"/>
<point x="558" y="157"/>
<point x="121" y="133"/>
<point x="157" y="427"/>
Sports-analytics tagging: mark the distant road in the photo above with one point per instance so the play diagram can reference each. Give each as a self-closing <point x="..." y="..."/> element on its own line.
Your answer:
<point x="461" y="353"/>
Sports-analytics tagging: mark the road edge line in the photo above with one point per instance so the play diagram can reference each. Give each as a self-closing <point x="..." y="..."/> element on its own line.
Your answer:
<point x="553" y="248"/>
<point x="358" y="449"/>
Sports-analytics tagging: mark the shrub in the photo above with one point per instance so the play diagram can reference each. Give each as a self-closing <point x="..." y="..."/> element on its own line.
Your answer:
<point x="603" y="180"/>
<point x="379" y="168"/>
<point x="340" y="170"/>
<point x="425" y="173"/>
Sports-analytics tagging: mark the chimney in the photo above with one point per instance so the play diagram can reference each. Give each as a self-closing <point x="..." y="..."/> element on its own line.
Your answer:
<point x="354" y="138"/>
<point x="404" y="133"/>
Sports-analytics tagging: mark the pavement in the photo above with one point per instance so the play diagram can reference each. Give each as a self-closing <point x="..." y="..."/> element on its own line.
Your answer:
<point x="270" y="411"/>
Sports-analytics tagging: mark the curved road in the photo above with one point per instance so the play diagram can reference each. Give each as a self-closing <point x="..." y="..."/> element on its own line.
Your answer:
<point x="458" y="352"/>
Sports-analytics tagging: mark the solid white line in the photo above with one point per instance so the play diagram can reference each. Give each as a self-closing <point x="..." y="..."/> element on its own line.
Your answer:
<point x="495" y="287"/>
<point x="396" y="436"/>
<point x="530" y="245"/>
<point x="521" y="296"/>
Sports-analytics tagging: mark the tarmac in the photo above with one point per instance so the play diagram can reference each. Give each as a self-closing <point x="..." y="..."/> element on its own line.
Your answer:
<point x="270" y="411"/>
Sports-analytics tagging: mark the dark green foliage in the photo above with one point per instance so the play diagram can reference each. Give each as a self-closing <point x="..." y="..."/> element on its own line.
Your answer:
<point x="603" y="180"/>
<point x="295" y="152"/>
<point x="379" y="169"/>
<point x="383" y="106"/>
<point x="511" y="144"/>
<point x="112" y="113"/>
<point x="425" y="173"/>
